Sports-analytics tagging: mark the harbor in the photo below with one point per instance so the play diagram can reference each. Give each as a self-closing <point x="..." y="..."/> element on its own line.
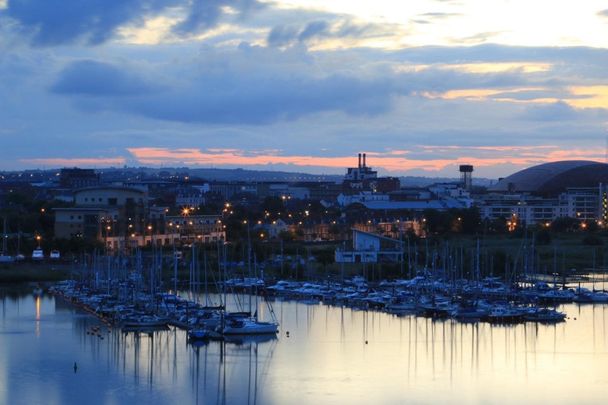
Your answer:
<point x="332" y="354"/>
<point x="138" y="300"/>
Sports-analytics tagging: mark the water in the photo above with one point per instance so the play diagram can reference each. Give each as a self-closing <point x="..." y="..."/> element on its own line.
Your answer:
<point x="325" y="359"/>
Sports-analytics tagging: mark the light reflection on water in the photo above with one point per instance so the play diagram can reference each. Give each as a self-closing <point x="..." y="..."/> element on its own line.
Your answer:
<point x="332" y="355"/>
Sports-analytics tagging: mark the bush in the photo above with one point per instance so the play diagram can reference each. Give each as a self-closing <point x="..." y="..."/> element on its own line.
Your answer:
<point x="543" y="237"/>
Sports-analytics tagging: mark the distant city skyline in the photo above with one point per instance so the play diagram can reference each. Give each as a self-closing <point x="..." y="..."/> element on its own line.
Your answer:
<point x="303" y="85"/>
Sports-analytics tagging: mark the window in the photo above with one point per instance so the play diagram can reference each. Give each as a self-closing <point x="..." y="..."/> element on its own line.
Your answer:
<point x="112" y="201"/>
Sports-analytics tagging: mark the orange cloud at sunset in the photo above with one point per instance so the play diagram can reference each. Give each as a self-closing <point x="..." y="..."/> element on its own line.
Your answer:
<point x="392" y="161"/>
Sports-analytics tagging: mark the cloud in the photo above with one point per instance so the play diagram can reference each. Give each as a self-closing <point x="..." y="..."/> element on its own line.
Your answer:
<point x="53" y="22"/>
<point x="205" y="14"/>
<point x="436" y="15"/>
<point x="281" y="35"/>
<point x="558" y="111"/>
<point x="58" y="22"/>
<point x="312" y="29"/>
<point x="603" y="13"/>
<point x="333" y="27"/>
<point x="92" y="78"/>
<point x="227" y="98"/>
<point x="428" y="18"/>
<point x="248" y="86"/>
<point x="73" y="162"/>
<point x="255" y="85"/>
<point x="391" y="161"/>
<point x="475" y="39"/>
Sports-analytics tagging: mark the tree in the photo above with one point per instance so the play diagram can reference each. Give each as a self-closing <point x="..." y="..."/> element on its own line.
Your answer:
<point x="543" y="237"/>
<point x="592" y="240"/>
<point x="565" y="224"/>
<point x="325" y="257"/>
<point x="273" y="204"/>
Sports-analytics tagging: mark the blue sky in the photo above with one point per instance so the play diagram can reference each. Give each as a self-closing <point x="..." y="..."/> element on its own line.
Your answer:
<point x="303" y="85"/>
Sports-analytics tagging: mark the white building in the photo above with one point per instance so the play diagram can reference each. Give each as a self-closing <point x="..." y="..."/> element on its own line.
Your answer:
<point x="370" y="248"/>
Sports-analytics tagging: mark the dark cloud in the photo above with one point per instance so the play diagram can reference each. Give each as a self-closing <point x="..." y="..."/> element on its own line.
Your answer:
<point x="52" y="22"/>
<point x="256" y="85"/>
<point x="56" y="22"/>
<point x="247" y="93"/>
<point x="282" y="35"/>
<point x="98" y="79"/>
<point x="286" y="35"/>
<point x="226" y="99"/>
<point x="553" y="112"/>
<point x="312" y="29"/>
<point x="205" y="14"/>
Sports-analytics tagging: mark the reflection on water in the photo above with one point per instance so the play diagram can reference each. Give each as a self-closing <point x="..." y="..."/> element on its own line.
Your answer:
<point x="38" y="300"/>
<point x="330" y="355"/>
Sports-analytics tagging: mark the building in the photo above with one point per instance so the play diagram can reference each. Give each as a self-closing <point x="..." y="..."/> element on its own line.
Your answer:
<point x="204" y="228"/>
<point x="271" y="230"/>
<point x="101" y="212"/>
<point x="551" y="179"/>
<point x="78" y="178"/>
<point x="543" y="193"/>
<point x="192" y="196"/>
<point x="361" y="172"/>
<point x="227" y="190"/>
<point x="89" y="223"/>
<point x="363" y="197"/>
<point x="364" y="178"/>
<point x="370" y="248"/>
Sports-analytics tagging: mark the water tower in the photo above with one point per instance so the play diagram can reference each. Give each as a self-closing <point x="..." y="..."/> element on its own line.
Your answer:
<point x="466" y="176"/>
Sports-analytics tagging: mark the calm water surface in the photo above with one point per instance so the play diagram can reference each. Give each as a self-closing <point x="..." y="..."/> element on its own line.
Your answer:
<point x="325" y="359"/>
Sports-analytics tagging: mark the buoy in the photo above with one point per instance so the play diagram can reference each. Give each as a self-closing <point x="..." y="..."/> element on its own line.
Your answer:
<point x="75" y="367"/>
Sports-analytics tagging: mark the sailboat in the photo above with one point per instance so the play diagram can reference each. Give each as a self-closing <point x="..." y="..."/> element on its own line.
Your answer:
<point x="248" y="325"/>
<point x="4" y="258"/>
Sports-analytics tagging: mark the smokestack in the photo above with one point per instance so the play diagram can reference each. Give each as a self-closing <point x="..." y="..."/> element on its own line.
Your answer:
<point x="359" y="160"/>
<point x="364" y="160"/>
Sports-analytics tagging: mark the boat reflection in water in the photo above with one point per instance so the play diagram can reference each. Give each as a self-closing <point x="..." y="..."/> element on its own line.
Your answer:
<point x="322" y="354"/>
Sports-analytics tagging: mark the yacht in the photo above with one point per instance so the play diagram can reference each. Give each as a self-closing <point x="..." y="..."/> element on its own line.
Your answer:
<point x="249" y="326"/>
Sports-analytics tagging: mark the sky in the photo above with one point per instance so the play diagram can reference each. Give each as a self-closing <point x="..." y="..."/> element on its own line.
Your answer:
<point x="421" y="86"/>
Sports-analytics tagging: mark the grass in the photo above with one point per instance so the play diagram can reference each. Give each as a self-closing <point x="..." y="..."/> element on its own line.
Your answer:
<point x="30" y="272"/>
<point x="565" y="251"/>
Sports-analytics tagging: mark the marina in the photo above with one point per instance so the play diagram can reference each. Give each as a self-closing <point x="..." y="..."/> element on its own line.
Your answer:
<point x="323" y="354"/>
